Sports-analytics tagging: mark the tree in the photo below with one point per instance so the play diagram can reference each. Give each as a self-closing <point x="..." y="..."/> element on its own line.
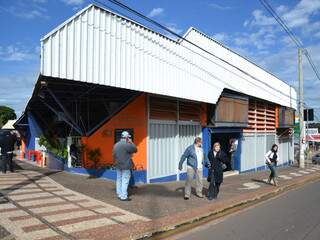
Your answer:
<point x="6" y="114"/>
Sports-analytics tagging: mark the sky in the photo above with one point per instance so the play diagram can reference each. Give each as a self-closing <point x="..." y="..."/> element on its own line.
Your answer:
<point x="244" y="26"/>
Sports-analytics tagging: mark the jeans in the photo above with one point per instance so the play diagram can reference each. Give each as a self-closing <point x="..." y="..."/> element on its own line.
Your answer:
<point x="272" y="168"/>
<point x="199" y="185"/>
<point x="123" y="178"/>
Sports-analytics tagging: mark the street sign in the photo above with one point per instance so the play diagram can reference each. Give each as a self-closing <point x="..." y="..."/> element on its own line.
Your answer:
<point x="308" y="115"/>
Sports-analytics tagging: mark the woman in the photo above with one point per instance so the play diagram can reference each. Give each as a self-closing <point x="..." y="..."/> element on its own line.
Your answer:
<point x="217" y="160"/>
<point x="271" y="161"/>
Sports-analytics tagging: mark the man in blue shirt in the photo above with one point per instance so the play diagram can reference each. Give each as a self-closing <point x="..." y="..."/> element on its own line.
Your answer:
<point x="195" y="160"/>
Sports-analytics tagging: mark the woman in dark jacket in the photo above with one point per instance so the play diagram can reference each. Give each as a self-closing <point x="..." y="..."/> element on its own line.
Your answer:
<point x="217" y="160"/>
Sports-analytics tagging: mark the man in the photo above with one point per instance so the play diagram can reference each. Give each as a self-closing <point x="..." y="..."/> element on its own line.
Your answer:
<point x="195" y="160"/>
<point x="122" y="156"/>
<point x="7" y="141"/>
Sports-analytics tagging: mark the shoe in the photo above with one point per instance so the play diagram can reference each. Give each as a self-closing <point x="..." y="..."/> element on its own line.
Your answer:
<point x="186" y="198"/>
<point x="210" y="198"/>
<point x="125" y="200"/>
<point x="199" y="196"/>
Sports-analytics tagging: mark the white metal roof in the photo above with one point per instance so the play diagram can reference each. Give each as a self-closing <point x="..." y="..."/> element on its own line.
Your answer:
<point x="99" y="46"/>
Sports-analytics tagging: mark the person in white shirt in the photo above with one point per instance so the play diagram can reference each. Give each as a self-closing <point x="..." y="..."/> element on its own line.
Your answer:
<point x="195" y="160"/>
<point x="271" y="158"/>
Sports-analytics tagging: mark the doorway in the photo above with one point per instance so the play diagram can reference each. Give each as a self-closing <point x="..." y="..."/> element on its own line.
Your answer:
<point x="230" y="141"/>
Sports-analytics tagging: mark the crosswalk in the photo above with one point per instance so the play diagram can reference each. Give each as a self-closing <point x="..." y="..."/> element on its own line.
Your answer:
<point x="289" y="176"/>
<point x="33" y="206"/>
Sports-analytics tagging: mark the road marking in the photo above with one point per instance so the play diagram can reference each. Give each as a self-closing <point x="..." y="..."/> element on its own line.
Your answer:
<point x="285" y="177"/>
<point x="249" y="186"/>
<point x="295" y="174"/>
<point x="304" y="172"/>
<point x="311" y="170"/>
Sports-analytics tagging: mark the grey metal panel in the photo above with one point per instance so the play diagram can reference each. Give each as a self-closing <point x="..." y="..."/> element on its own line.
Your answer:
<point x="167" y="142"/>
<point x="102" y="47"/>
<point x="285" y="150"/>
<point x="260" y="150"/>
<point x="187" y="134"/>
<point x="271" y="139"/>
<point x="161" y="151"/>
<point x="247" y="153"/>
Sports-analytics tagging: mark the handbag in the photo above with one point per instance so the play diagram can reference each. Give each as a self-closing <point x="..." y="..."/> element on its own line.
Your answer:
<point x="224" y="166"/>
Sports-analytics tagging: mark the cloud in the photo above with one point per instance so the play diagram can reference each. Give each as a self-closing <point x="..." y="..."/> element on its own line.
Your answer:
<point x="23" y="10"/>
<point x="30" y="15"/>
<point x="221" y="37"/>
<point x="17" y="90"/>
<point x="219" y="7"/>
<point x="297" y="17"/>
<point x="73" y="2"/>
<point x="174" y="28"/>
<point x="16" y="53"/>
<point x="155" y="12"/>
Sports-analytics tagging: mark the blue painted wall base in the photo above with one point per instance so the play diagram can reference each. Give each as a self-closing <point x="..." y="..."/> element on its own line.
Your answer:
<point x="139" y="176"/>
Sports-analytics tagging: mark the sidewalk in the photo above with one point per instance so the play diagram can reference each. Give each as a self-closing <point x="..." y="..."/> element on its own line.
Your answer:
<point x="160" y="207"/>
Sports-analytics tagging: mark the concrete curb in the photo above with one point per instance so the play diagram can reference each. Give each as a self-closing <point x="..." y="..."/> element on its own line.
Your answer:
<point x="192" y="221"/>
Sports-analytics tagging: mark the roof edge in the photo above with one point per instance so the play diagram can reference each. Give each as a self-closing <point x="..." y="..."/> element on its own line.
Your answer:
<point x="233" y="51"/>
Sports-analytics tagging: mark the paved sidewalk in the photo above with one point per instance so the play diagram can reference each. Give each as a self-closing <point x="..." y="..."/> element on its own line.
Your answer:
<point x="154" y="207"/>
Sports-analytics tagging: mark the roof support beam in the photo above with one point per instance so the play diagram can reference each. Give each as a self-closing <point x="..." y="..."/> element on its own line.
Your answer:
<point x="63" y="117"/>
<point x="65" y="111"/>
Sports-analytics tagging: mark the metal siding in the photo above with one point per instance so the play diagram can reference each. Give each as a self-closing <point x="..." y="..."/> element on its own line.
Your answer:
<point x="260" y="150"/>
<point x="113" y="51"/>
<point x="271" y="139"/>
<point x="286" y="149"/>
<point x="248" y="155"/>
<point x="167" y="142"/>
<point x="161" y="160"/>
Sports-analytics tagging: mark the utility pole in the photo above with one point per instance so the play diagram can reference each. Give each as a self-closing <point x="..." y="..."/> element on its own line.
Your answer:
<point x="301" y="110"/>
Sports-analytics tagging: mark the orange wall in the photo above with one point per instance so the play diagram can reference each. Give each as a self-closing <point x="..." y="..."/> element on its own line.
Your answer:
<point x="132" y="116"/>
<point x="203" y="117"/>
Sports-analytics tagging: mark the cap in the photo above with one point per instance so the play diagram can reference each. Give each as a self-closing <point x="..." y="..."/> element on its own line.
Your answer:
<point x="125" y="134"/>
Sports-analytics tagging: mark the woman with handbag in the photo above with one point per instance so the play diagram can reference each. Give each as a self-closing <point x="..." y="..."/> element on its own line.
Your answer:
<point x="271" y="161"/>
<point x="217" y="163"/>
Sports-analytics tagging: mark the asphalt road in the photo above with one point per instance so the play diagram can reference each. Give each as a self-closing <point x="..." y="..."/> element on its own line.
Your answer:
<point x="294" y="215"/>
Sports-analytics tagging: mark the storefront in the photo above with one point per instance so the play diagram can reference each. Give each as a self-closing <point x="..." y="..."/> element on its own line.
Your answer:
<point x="102" y="73"/>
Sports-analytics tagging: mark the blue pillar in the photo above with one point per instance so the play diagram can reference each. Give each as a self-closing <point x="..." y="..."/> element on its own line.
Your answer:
<point x="206" y="145"/>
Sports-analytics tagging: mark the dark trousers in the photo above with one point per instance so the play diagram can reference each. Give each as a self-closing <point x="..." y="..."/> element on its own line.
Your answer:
<point x="213" y="190"/>
<point x="6" y="160"/>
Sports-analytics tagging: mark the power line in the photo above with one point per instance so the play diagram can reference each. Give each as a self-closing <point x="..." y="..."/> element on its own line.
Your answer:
<point x="298" y="43"/>
<point x="121" y="5"/>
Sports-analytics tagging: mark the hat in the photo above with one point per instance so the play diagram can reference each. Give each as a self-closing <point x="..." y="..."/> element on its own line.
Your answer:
<point x="125" y="134"/>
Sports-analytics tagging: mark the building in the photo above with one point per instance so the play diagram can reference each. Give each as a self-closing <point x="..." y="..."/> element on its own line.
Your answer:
<point x="102" y="73"/>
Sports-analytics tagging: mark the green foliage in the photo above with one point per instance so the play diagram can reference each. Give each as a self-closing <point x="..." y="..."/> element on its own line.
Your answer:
<point x="6" y="114"/>
<point x="54" y="146"/>
<point x="94" y="156"/>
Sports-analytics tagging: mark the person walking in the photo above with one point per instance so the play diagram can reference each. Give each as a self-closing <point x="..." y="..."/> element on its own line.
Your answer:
<point x="7" y="141"/>
<point x="271" y="158"/>
<point x="195" y="160"/>
<point x="217" y="163"/>
<point x="122" y="156"/>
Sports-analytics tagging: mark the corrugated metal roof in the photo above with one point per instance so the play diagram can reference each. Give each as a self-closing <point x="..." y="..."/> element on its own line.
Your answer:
<point x="101" y="47"/>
